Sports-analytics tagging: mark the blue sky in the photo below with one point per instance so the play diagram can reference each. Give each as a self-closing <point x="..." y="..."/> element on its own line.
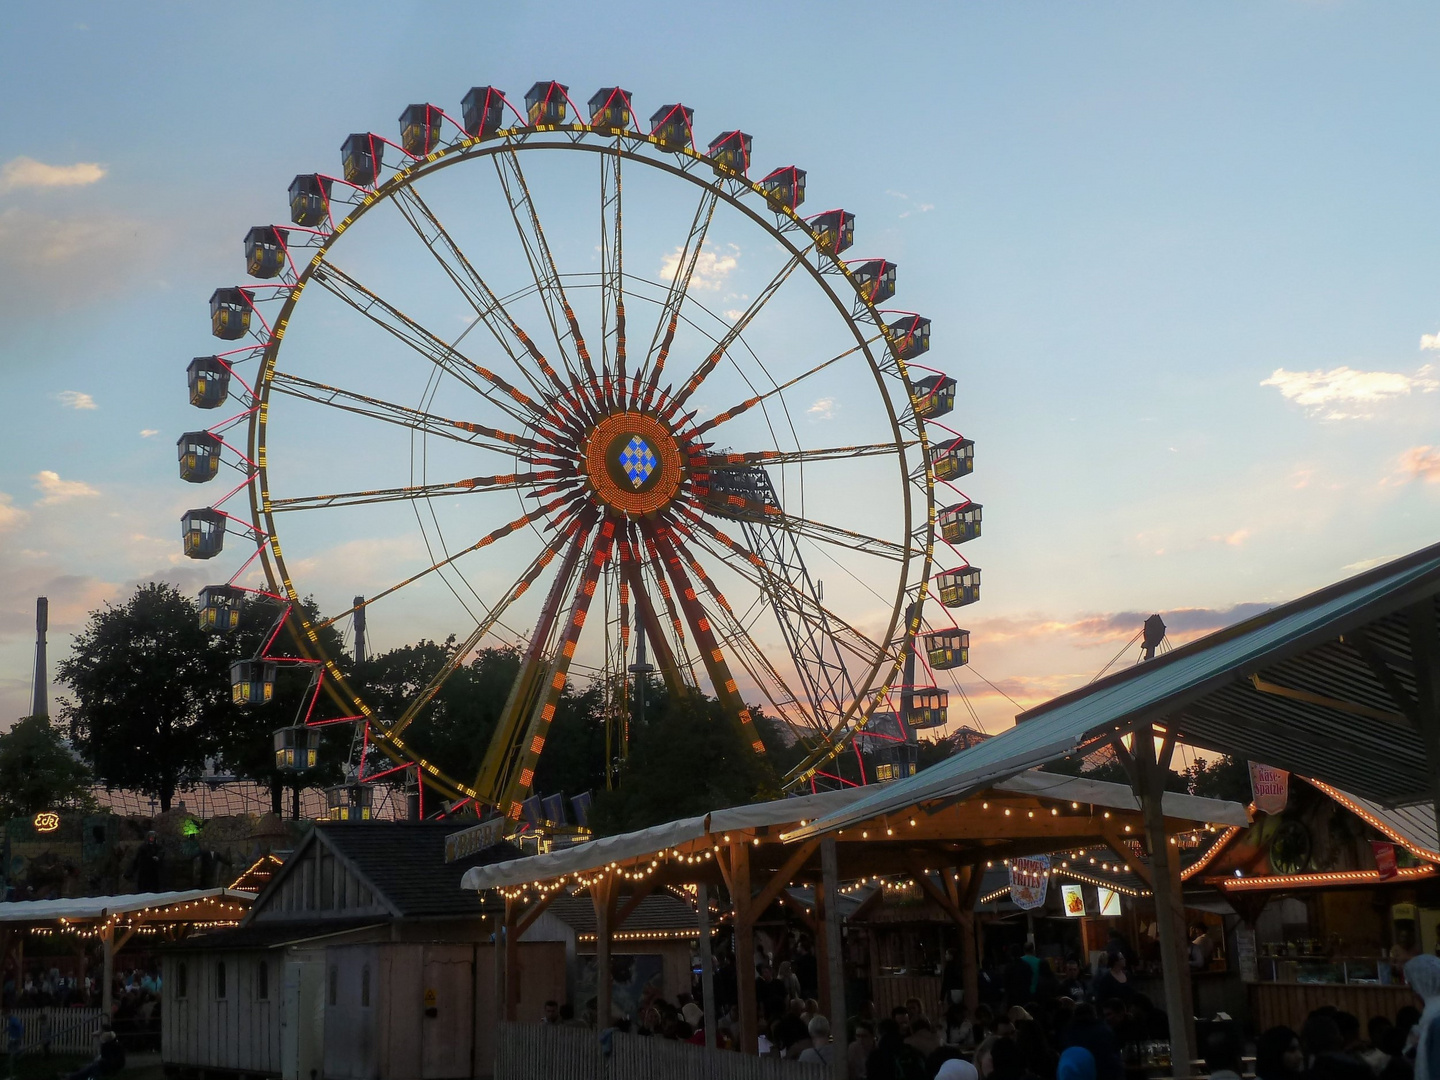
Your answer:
<point x="1181" y="260"/>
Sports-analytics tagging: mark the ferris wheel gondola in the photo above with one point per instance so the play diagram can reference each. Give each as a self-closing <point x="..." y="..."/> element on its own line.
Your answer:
<point x="633" y="520"/>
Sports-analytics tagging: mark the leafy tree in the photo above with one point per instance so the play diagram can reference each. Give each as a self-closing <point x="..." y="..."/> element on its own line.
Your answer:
<point x="39" y="772"/>
<point x="1108" y="768"/>
<point x="685" y="759"/>
<point x="1224" y="777"/>
<point x="151" y="692"/>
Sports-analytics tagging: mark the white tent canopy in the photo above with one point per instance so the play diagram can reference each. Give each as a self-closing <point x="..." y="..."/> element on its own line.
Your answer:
<point x="625" y="847"/>
<point x="100" y="907"/>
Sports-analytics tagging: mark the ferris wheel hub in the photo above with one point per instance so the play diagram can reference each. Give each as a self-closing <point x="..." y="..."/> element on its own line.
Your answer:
<point x="633" y="463"/>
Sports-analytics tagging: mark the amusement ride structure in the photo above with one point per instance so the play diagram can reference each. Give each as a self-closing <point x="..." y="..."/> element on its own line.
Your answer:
<point x="637" y="468"/>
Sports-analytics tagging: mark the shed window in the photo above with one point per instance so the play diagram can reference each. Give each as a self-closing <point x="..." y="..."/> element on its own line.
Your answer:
<point x="220" y="980"/>
<point x="365" y="986"/>
<point x="182" y="981"/>
<point x="334" y="984"/>
<point x="262" y="981"/>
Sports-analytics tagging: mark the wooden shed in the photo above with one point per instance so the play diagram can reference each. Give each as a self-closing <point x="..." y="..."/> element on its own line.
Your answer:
<point x="363" y="959"/>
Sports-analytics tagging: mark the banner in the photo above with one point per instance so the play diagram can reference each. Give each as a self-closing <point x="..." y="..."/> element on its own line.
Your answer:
<point x="1269" y="787"/>
<point x="1385" y="859"/>
<point x="1029" y="878"/>
<point x="1073" y="900"/>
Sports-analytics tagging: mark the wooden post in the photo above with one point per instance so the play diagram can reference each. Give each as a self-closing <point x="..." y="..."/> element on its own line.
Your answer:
<point x="1169" y="904"/>
<point x="822" y="937"/>
<point x="969" y="954"/>
<point x="744" y="946"/>
<point x="602" y="896"/>
<point x="834" y="956"/>
<point x="1425" y="648"/>
<point x="107" y="943"/>
<point x="707" y="963"/>
<point x="513" y="932"/>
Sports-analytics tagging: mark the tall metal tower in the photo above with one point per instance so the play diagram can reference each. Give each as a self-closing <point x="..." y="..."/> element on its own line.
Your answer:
<point x="40" y="706"/>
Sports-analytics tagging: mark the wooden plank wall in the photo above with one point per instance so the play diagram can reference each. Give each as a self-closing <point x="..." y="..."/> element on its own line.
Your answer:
<point x="1291" y="1003"/>
<point x="240" y="1031"/>
<point x="526" y="1051"/>
<point x="319" y="886"/>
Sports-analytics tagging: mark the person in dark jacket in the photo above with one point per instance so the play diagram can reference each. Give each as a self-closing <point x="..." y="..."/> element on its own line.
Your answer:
<point x="148" y="860"/>
<point x="1087" y="1030"/>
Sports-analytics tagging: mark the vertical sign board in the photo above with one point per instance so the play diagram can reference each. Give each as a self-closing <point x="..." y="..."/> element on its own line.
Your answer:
<point x="1385" y="861"/>
<point x="1073" y="901"/>
<point x="1029" y="878"/>
<point x="1269" y="787"/>
<point x="1109" y="903"/>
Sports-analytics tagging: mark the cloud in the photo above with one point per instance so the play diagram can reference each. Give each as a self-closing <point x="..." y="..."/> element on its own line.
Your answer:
<point x="24" y="172"/>
<point x="1087" y="630"/>
<point x="50" y="263"/>
<point x="146" y="433"/>
<point x="824" y="409"/>
<point x="1234" y="539"/>
<point x="55" y="490"/>
<point x="74" y="399"/>
<point x="711" y="268"/>
<point x="1419" y="463"/>
<point x="915" y="205"/>
<point x="1366" y="564"/>
<point x="11" y="516"/>
<point x="1430" y="341"/>
<point x="1345" y="394"/>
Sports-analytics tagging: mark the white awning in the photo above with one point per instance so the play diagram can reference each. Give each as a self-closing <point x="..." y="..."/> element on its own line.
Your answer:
<point x="625" y="847"/>
<point x="99" y="907"/>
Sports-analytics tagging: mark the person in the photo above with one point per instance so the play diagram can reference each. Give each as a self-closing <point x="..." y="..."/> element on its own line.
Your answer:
<point x="785" y="974"/>
<point x="921" y="1037"/>
<point x="984" y="1056"/>
<point x="1076" y="1063"/>
<point x="552" y="1013"/>
<point x="1222" y="1054"/>
<point x="821" y="1049"/>
<point x="958" y="1030"/>
<point x="952" y="981"/>
<point x="1072" y="984"/>
<point x="1114" y="982"/>
<point x="789" y="1029"/>
<point x="1201" y="947"/>
<point x="109" y="1061"/>
<point x="957" y="1069"/>
<point x="893" y="1058"/>
<point x="1379" y="1030"/>
<point x="1278" y="1055"/>
<point x="147" y="864"/>
<point x="901" y="1016"/>
<point x="1008" y="1061"/>
<point x="1116" y="945"/>
<point x="1089" y="1031"/>
<point x="1423" y="975"/>
<point x="1325" y="1051"/>
<point x="1017" y="978"/>
<point x="859" y="1051"/>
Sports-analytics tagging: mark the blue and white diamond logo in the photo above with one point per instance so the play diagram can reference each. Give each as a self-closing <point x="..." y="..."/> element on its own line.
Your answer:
<point x="638" y="460"/>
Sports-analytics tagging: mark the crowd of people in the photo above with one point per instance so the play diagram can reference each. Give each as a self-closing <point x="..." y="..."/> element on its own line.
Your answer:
<point x="135" y="998"/>
<point x="1044" y="1025"/>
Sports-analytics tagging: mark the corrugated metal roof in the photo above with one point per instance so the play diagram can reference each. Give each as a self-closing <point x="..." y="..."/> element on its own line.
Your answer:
<point x="1203" y="692"/>
<point x="1412" y="824"/>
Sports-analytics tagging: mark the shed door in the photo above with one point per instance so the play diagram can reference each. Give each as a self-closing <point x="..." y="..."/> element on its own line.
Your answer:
<point x="449" y="1012"/>
<point x="302" y="1035"/>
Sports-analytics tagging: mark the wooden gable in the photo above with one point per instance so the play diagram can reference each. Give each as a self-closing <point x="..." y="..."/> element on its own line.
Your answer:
<point x="318" y="883"/>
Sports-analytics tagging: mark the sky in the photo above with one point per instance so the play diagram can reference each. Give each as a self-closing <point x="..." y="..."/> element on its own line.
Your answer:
<point x="1180" y="260"/>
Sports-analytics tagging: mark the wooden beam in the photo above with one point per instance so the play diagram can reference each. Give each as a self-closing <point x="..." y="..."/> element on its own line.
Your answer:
<point x="634" y="900"/>
<point x="1287" y="733"/>
<point x="937" y="894"/>
<point x="1115" y="840"/>
<point x="834" y="957"/>
<point x="781" y="877"/>
<point x="1351" y="707"/>
<point x="511" y="959"/>
<point x="707" y="963"/>
<point x="536" y="909"/>
<point x="1381" y="665"/>
<point x="744" y="939"/>
<point x="602" y="898"/>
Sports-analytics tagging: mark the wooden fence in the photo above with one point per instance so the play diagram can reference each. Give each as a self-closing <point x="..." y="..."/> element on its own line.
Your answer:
<point x="64" y="1030"/>
<point x="526" y="1051"/>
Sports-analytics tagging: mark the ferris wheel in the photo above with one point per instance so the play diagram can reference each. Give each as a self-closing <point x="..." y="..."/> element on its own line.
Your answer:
<point x="604" y="424"/>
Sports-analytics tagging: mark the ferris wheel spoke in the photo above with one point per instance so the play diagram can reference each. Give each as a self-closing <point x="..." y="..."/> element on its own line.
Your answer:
<point x="677" y="626"/>
<point x="799" y="457"/>
<point x="733" y="333"/>
<point x="462" y="431"/>
<point x="721" y="681"/>
<point x="536" y="515"/>
<point x="470" y="485"/>
<point x="433" y="348"/>
<point x="752" y="658"/>
<point x="749" y="403"/>
<point x="737" y="507"/>
<point x="631" y="572"/>
<point x="612" y="279"/>
<point x="792" y="599"/>
<point x="542" y="263"/>
<point x="492" y="312"/>
<point x="492" y="618"/>
<point x="669" y="320"/>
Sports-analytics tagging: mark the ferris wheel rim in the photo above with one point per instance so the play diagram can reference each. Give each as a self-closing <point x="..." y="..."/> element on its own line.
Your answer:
<point x="526" y="138"/>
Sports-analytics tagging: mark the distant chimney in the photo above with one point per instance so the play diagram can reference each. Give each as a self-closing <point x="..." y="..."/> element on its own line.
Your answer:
<point x="359" y="604"/>
<point x="41" y="705"/>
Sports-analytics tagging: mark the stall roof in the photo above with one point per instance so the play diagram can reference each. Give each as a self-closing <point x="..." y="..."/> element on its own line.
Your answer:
<point x="100" y="907"/>
<point x="782" y="812"/>
<point x="1309" y="686"/>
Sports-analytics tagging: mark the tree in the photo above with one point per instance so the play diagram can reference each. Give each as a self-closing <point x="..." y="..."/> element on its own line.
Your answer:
<point x="687" y="758"/>
<point x="151" y="692"/>
<point x="1224" y="777"/>
<point x="39" y="772"/>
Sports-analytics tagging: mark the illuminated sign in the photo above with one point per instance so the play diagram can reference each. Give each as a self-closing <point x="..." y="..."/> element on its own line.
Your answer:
<point x="48" y="821"/>
<point x="1074" y="900"/>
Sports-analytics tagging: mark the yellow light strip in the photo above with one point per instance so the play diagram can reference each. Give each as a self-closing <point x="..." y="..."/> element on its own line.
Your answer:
<point x="1374" y="822"/>
<point x="1334" y="877"/>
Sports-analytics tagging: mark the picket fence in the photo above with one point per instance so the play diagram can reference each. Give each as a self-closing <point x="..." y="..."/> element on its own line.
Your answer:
<point x="64" y="1030"/>
<point x="527" y="1051"/>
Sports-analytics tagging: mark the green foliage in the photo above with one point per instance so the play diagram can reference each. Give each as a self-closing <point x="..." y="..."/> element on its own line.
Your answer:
<point x="1107" y="768"/>
<point x="1224" y="777"/>
<point x="151" y="692"/>
<point x="686" y="758"/>
<point x="38" y="771"/>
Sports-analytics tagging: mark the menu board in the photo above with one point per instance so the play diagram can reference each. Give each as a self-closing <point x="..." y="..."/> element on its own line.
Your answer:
<point x="1245" y="960"/>
<point x="1073" y="899"/>
<point x="1109" y="902"/>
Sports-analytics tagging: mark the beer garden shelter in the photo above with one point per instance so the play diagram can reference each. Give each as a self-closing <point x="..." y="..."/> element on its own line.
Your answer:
<point x="752" y="851"/>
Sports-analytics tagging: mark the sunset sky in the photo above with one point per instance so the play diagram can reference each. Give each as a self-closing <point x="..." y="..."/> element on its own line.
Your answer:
<point x="1181" y="260"/>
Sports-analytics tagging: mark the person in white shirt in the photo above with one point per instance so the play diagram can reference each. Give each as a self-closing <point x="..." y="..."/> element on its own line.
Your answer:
<point x="821" y="1048"/>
